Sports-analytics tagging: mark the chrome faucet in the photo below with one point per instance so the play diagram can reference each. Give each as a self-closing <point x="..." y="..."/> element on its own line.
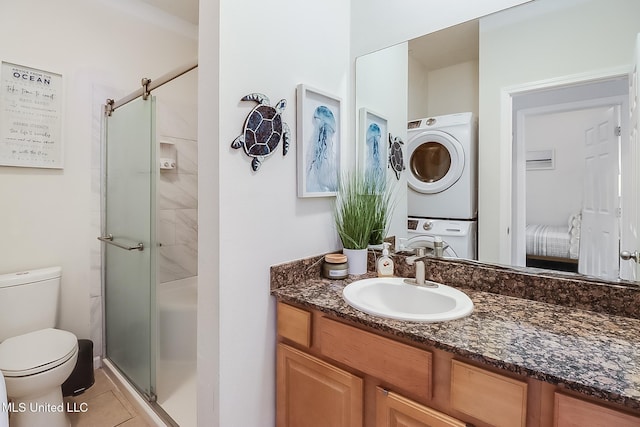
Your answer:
<point x="420" y="269"/>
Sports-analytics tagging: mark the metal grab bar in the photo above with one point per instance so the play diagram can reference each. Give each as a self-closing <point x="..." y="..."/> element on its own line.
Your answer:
<point x="109" y="239"/>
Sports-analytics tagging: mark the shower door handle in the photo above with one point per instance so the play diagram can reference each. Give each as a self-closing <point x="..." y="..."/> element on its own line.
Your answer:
<point x="109" y="239"/>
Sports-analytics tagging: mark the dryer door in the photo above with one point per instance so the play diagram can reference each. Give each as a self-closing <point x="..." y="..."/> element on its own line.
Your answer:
<point x="436" y="161"/>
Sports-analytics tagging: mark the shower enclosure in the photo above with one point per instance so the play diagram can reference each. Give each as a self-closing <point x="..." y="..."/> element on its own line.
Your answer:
<point x="146" y="320"/>
<point x="130" y="252"/>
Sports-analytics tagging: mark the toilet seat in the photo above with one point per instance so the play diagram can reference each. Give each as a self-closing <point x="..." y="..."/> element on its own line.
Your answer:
<point x="36" y="352"/>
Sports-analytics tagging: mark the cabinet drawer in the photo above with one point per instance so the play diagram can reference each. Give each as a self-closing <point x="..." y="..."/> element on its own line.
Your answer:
<point x="572" y="412"/>
<point x="294" y="324"/>
<point x="495" y="399"/>
<point x="401" y="365"/>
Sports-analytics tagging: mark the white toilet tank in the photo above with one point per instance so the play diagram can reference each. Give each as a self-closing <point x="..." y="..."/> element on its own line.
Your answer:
<point x="28" y="301"/>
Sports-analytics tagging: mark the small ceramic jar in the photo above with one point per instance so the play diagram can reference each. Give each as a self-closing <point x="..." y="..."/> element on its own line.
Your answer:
<point x="335" y="266"/>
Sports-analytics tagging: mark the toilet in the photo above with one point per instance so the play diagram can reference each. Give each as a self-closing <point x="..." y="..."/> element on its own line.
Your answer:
<point x="4" y="409"/>
<point x="35" y="358"/>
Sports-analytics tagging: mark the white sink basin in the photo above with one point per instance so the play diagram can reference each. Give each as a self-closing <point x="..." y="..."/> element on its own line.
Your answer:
<point x="392" y="298"/>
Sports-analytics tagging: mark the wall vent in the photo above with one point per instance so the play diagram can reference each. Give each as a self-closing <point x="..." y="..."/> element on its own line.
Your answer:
<point x="541" y="159"/>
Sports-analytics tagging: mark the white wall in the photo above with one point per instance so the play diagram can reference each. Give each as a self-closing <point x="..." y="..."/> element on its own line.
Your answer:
<point x="418" y="90"/>
<point x="541" y="48"/>
<point x="252" y="220"/>
<point x="553" y="195"/>
<point x="447" y="90"/>
<point x="453" y="89"/>
<point x="51" y="217"/>
<point x="381" y="86"/>
<point x="209" y="249"/>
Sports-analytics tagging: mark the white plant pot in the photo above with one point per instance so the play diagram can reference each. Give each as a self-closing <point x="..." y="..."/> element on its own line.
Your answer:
<point x="357" y="260"/>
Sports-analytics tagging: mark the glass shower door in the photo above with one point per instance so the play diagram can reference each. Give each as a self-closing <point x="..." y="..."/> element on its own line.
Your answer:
<point x="130" y="250"/>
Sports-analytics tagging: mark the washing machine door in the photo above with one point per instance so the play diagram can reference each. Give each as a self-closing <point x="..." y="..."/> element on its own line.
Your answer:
<point x="436" y="161"/>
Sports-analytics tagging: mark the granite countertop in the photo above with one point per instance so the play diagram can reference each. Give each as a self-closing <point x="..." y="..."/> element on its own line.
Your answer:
<point x="592" y="353"/>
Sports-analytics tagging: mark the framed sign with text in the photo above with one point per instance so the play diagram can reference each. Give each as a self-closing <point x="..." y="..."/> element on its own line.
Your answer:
<point x="30" y="117"/>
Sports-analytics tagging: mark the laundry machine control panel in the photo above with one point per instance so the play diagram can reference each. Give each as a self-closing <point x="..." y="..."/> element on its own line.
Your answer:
<point x="413" y="224"/>
<point x="414" y="124"/>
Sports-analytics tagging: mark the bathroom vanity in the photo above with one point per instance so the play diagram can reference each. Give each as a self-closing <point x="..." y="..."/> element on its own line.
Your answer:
<point x="517" y="360"/>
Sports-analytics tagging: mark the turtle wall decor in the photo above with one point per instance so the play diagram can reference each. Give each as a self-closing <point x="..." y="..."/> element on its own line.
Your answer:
<point x="263" y="130"/>
<point x="396" y="157"/>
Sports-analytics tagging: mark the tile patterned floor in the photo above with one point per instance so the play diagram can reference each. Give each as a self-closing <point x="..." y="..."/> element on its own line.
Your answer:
<point x="103" y="405"/>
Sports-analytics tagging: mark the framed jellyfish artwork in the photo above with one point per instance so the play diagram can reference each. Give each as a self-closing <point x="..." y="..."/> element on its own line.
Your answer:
<point x="372" y="148"/>
<point x="319" y="129"/>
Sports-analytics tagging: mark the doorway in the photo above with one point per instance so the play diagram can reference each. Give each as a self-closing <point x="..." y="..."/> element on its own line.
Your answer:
<point x="554" y="189"/>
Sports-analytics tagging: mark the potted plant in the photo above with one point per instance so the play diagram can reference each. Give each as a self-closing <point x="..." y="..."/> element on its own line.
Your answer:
<point x="362" y="213"/>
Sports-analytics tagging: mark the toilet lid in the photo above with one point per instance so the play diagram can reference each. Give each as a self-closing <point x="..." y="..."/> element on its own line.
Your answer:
<point x="36" y="352"/>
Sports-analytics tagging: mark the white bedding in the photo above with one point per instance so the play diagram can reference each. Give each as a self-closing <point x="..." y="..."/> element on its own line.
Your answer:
<point x="554" y="240"/>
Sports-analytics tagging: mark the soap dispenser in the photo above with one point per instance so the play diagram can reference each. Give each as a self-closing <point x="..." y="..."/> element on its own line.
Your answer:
<point x="384" y="265"/>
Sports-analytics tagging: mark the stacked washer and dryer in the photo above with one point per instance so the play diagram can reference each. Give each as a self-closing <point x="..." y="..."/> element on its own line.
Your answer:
<point x="443" y="183"/>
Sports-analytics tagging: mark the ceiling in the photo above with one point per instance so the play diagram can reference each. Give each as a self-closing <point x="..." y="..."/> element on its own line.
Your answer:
<point x="436" y="50"/>
<point x="186" y="10"/>
<point x="447" y="47"/>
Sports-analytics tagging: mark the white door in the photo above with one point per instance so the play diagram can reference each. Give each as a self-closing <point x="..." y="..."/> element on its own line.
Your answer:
<point x="600" y="235"/>
<point x="630" y="175"/>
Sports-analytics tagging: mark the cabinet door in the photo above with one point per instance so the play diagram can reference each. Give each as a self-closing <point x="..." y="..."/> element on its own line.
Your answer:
<point x="393" y="410"/>
<point x="572" y="412"/>
<point x="313" y="393"/>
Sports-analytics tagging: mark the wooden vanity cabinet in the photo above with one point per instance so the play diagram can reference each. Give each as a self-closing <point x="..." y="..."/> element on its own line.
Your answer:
<point x="333" y="374"/>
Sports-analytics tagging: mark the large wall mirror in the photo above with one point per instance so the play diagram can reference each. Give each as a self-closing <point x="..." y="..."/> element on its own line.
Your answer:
<point x="545" y="80"/>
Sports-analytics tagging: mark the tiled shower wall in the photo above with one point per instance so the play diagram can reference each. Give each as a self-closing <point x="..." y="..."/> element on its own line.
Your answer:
<point x="178" y="212"/>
